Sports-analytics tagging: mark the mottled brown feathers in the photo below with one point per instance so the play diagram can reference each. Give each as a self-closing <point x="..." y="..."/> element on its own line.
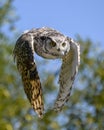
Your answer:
<point x="23" y="53"/>
<point x="51" y="44"/>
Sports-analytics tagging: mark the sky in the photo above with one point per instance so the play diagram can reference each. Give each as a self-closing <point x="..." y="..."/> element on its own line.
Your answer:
<point x="71" y="17"/>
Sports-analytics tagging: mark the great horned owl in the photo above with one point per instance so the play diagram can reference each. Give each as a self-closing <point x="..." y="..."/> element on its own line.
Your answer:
<point x="51" y="44"/>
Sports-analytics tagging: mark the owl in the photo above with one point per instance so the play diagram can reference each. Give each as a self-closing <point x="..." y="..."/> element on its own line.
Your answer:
<point x="50" y="44"/>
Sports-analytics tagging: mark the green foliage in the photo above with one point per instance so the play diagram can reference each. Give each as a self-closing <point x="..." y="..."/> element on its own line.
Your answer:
<point x="85" y="109"/>
<point x="7" y="17"/>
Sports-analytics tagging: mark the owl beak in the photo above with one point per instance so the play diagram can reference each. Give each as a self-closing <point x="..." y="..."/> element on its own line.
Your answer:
<point x="66" y="52"/>
<point x="62" y="52"/>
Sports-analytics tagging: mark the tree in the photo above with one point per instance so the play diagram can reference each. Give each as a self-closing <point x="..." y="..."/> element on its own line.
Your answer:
<point x="10" y="96"/>
<point x="85" y="109"/>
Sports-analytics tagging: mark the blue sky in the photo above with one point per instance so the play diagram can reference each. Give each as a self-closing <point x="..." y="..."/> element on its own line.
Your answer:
<point x="71" y="17"/>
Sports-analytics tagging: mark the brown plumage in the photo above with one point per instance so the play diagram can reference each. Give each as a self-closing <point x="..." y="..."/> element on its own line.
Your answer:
<point x="51" y="44"/>
<point x="23" y="53"/>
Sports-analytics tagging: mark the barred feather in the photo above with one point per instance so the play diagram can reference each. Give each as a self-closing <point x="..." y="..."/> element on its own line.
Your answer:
<point x="51" y="44"/>
<point x="24" y="55"/>
<point x="68" y="72"/>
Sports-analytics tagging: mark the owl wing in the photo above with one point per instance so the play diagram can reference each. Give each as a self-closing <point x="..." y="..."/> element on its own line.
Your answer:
<point x="69" y="68"/>
<point x="24" y="55"/>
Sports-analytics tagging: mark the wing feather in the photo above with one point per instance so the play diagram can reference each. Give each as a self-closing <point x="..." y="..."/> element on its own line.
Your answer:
<point x="24" y="55"/>
<point x="69" y="69"/>
<point x="25" y="47"/>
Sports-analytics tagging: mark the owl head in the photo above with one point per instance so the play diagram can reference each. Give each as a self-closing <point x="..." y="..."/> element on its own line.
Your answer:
<point x="55" y="47"/>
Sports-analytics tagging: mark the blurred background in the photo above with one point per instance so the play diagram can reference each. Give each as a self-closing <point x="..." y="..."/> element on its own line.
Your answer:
<point x="80" y="20"/>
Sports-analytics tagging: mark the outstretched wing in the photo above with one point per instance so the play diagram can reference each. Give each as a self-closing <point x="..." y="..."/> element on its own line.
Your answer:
<point x="24" y="55"/>
<point x="69" y="69"/>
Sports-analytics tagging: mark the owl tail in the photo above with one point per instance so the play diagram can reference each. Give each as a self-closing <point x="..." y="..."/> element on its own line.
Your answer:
<point x="33" y="90"/>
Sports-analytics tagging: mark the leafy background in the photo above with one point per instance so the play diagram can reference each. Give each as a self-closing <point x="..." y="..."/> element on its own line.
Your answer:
<point x="85" y="109"/>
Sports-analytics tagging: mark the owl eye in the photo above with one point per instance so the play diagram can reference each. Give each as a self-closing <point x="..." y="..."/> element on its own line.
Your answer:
<point x="53" y="44"/>
<point x="63" y="44"/>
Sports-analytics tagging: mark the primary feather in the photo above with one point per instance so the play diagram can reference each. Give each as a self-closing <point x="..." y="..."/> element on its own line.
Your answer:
<point x="51" y="44"/>
<point x="68" y="72"/>
<point x="24" y="56"/>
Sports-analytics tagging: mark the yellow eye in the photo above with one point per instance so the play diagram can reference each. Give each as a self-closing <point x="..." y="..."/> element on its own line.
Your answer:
<point x="53" y="44"/>
<point x="63" y="44"/>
